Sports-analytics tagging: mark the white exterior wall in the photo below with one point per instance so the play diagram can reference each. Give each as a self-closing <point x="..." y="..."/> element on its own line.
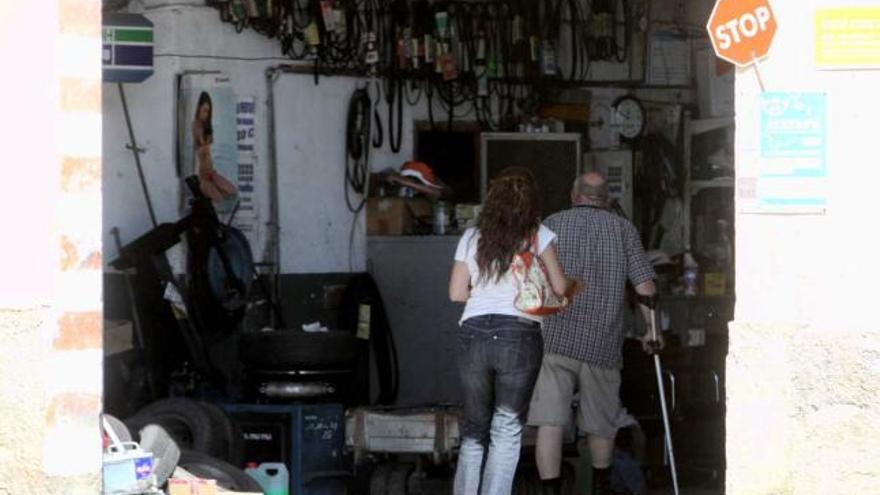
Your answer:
<point x="804" y="365"/>
<point x="822" y="273"/>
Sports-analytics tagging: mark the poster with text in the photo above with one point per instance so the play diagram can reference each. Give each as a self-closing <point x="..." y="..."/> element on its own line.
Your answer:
<point x="247" y="214"/>
<point x="792" y="172"/>
<point x="207" y="137"/>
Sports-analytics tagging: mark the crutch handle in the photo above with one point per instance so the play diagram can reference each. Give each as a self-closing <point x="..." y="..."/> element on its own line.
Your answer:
<point x="653" y="347"/>
<point x="649" y="301"/>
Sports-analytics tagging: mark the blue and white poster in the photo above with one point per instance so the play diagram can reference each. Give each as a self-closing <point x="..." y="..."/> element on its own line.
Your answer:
<point x="247" y="214"/>
<point x="793" y="155"/>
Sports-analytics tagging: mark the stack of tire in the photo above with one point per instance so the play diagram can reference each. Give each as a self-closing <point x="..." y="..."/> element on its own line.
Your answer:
<point x="197" y="436"/>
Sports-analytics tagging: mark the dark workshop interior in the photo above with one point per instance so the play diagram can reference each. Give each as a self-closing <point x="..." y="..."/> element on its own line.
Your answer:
<point x="286" y="181"/>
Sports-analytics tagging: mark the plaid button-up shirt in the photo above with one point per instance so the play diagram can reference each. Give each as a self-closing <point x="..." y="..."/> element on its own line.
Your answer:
<point x="603" y="250"/>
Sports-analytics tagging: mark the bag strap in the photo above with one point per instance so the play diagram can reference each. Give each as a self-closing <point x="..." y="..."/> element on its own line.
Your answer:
<point x="532" y="246"/>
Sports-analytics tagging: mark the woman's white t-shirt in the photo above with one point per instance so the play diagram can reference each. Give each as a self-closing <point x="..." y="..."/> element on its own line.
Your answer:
<point x="491" y="296"/>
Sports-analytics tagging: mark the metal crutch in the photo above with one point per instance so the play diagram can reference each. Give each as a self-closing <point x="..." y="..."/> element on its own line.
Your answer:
<point x="652" y="306"/>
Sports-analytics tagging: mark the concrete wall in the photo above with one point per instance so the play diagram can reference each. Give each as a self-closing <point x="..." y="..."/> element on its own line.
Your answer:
<point x="315" y="223"/>
<point x="804" y="363"/>
<point x="50" y="290"/>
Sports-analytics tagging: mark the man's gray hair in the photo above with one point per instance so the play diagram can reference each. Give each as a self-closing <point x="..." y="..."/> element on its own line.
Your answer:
<point x="593" y="191"/>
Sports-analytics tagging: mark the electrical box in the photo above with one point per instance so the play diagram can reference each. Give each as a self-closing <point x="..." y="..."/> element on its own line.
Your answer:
<point x="617" y="166"/>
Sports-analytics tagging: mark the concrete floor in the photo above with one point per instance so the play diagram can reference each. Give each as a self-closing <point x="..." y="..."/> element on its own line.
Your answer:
<point x="687" y="491"/>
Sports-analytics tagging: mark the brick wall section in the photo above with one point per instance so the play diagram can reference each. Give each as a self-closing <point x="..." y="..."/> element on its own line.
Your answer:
<point x="72" y="449"/>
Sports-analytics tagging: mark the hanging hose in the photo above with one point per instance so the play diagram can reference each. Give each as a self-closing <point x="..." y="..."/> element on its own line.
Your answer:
<point x="394" y="93"/>
<point x="378" y="136"/>
<point x="357" y="148"/>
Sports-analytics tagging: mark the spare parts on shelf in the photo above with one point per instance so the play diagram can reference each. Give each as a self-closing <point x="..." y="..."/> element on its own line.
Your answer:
<point x="470" y="59"/>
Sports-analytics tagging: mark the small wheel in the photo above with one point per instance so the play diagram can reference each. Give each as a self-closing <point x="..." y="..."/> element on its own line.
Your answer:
<point x="380" y="479"/>
<point x="397" y="482"/>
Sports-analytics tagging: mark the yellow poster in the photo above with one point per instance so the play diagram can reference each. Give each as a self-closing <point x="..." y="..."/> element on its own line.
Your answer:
<point x="847" y="38"/>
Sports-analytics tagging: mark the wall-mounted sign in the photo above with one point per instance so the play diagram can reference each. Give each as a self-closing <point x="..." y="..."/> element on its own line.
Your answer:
<point x="741" y="30"/>
<point x="847" y="38"/>
<point x="669" y="58"/>
<point x="792" y="170"/>
<point x="248" y="212"/>
<point x="208" y="136"/>
<point x="127" y="48"/>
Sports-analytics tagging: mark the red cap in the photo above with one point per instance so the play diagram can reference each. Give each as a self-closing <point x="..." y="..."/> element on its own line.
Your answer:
<point x="422" y="172"/>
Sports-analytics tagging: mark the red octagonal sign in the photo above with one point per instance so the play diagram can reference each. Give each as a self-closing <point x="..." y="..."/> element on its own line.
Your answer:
<point x="741" y="30"/>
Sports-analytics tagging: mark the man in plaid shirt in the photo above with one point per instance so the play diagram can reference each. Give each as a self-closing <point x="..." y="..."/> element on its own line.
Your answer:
<point x="582" y="345"/>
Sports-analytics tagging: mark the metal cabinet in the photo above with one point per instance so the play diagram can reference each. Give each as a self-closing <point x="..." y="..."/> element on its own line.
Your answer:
<point x="412" y="273"/>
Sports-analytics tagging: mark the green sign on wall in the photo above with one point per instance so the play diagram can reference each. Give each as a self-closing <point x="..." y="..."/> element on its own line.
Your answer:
<point x="127" y="48"/>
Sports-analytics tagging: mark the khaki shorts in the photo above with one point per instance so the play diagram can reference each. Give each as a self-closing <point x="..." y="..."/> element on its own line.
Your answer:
<point x="599" y="412"/>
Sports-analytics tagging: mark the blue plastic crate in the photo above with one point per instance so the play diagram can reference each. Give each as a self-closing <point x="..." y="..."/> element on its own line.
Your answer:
<point x="308" y="438"/>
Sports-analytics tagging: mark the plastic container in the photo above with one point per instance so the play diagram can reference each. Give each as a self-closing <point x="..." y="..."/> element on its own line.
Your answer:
<point x="441" y="218"/>
<point x="272" y="477"/>
<point x="127" y="469"/>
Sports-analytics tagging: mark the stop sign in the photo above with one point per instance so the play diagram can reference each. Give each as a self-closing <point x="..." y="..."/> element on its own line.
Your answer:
<point x="741" y="30"/>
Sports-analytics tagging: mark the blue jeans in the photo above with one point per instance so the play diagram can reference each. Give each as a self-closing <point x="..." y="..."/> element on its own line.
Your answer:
<point x="499" y="360"/>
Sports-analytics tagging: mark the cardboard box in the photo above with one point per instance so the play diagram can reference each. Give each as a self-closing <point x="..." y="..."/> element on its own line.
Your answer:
<point x="178" y="486"/>
<point x="185" y="483"/>
<point x="567" y="112"/>
<point x="397" y="216"/>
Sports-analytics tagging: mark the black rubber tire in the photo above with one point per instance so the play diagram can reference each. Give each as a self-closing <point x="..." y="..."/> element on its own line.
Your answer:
<point x="297" y="349"/>
<point x="187" y="421"/>
<point x="398" y="480"/>
<point x="227" y="475"/>
<point x="217" y="305"/>
<point x="166" y="453"/>
<point x="380" y="478"/>
<point x="222" y="424"/>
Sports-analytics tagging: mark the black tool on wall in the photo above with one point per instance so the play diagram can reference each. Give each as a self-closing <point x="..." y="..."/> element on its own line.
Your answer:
<point x="209" y="304"/>
<point x="357" y="148"/>
<point x="362" y="294"/>
<point x="474" y="57"/>
<point x="220" y="265"/>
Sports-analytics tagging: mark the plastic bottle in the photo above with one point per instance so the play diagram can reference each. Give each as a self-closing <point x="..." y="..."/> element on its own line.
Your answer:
<point x="726" y="245"/>
<point x="441" y="218"/>
<point x="272" y="477"/>
<point x="691" y="275"/>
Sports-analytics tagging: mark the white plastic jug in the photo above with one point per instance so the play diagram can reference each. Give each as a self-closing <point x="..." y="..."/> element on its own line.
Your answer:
<point x="272" y="477"/>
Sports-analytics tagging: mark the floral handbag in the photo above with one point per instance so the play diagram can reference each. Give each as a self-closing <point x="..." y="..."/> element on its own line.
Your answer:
<point x="534" y="294"/>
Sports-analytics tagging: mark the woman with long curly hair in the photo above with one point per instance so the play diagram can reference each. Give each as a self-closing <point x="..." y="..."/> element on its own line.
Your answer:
<point x="500" y="347"/>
